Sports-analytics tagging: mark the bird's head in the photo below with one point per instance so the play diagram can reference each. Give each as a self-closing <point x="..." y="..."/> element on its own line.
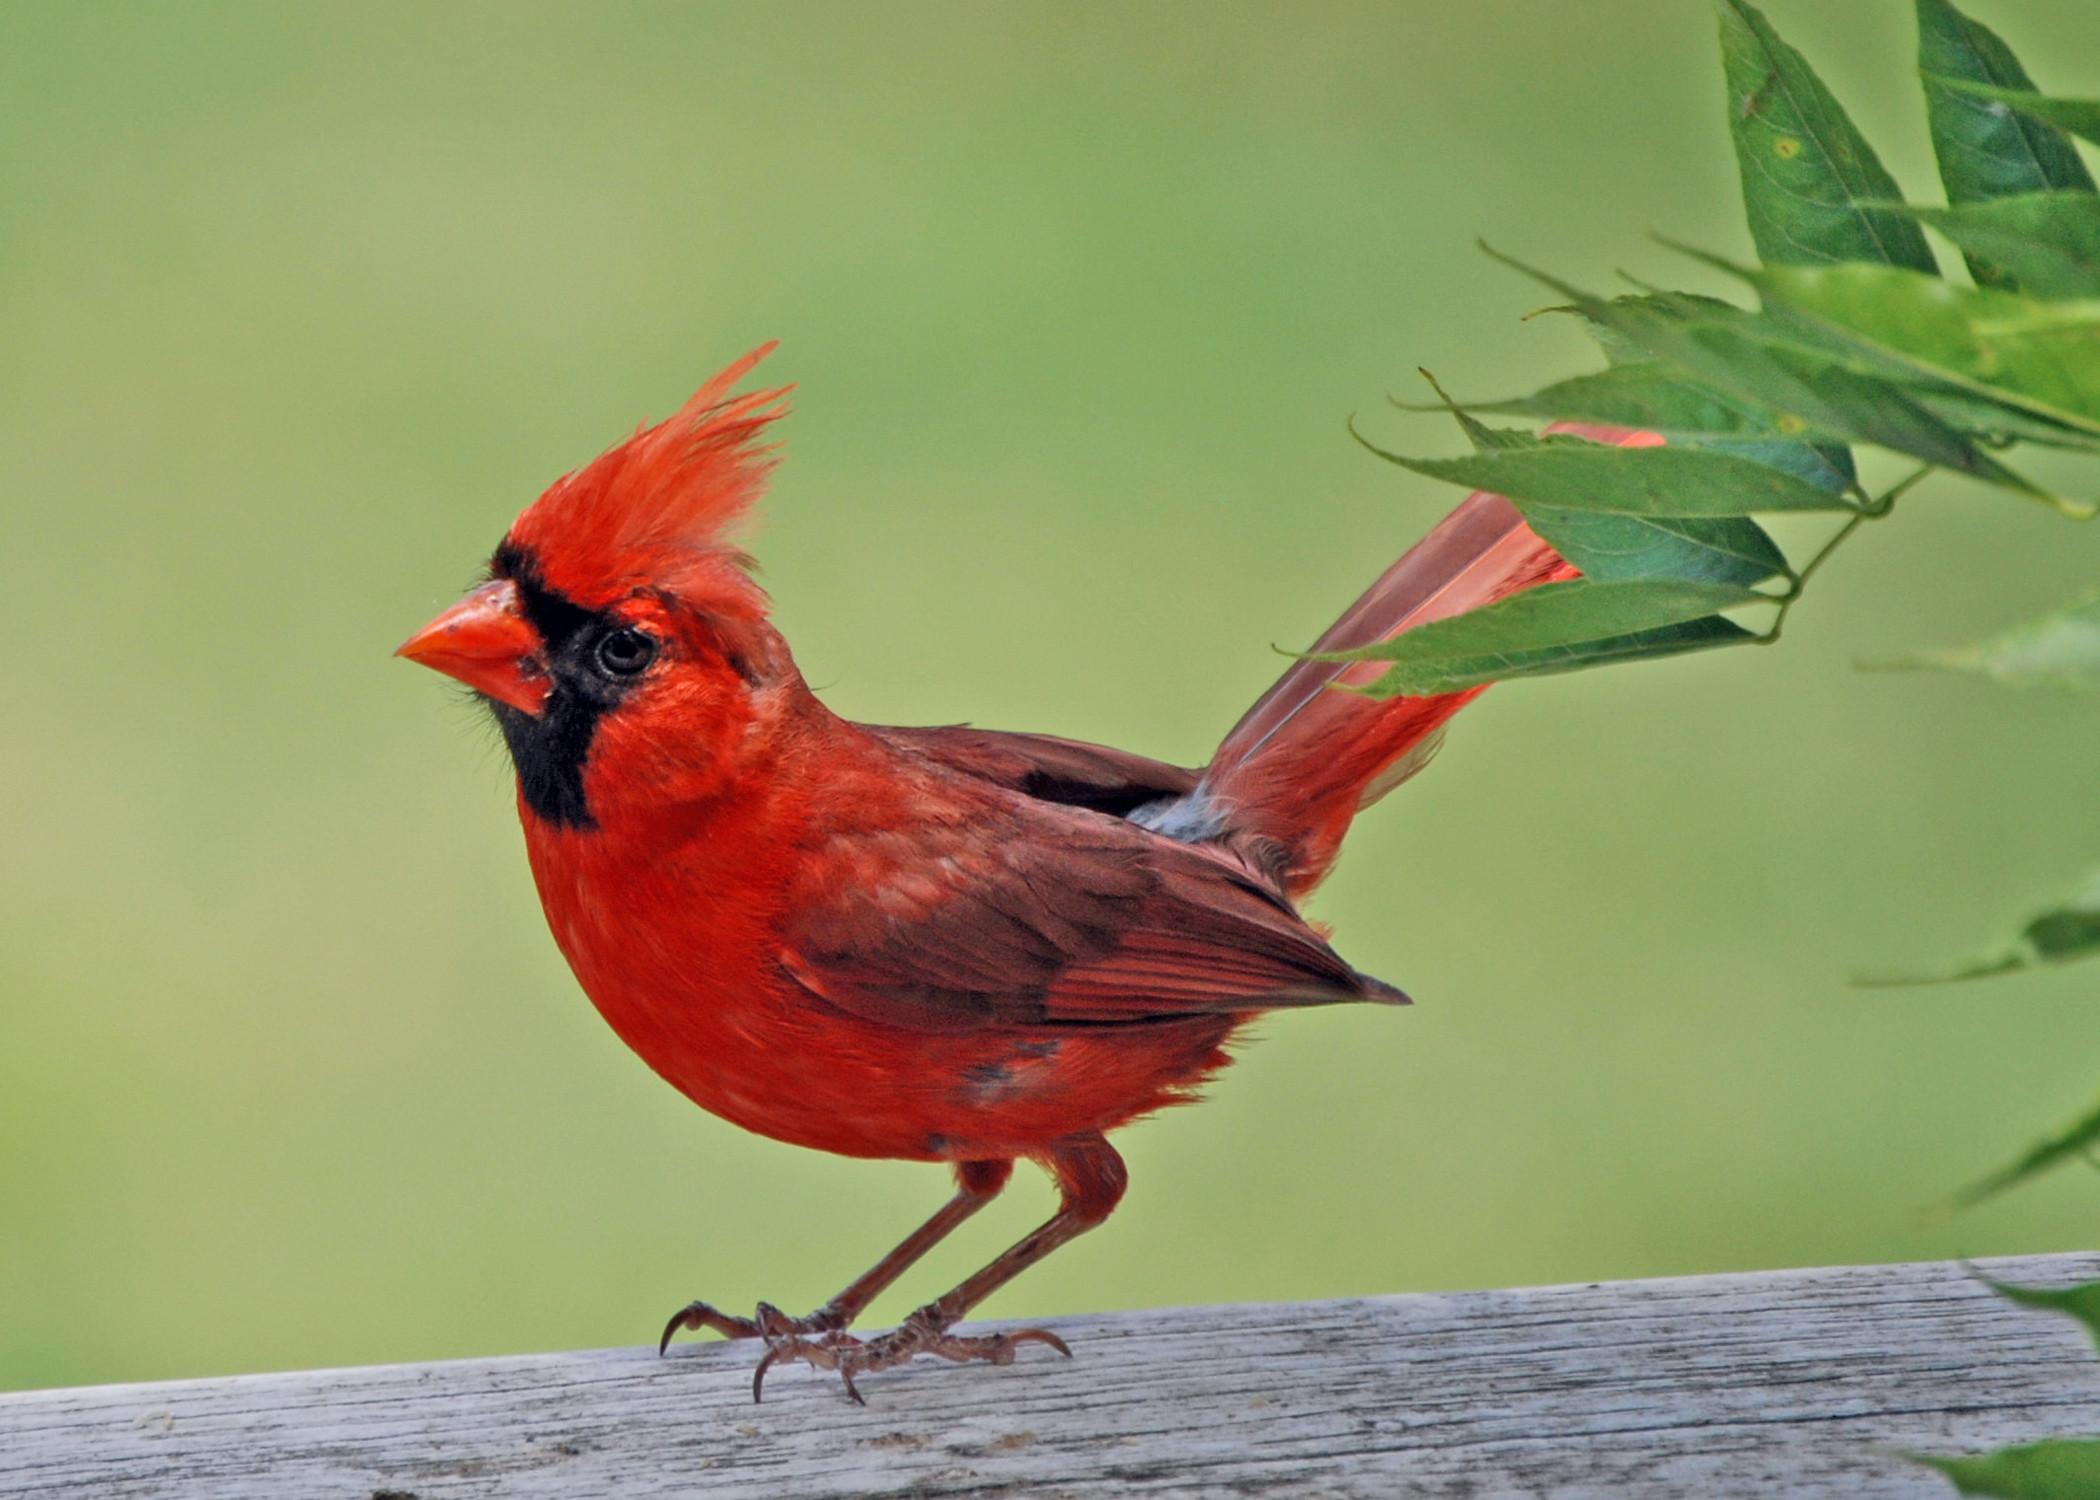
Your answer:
<point x="618" y="627"/>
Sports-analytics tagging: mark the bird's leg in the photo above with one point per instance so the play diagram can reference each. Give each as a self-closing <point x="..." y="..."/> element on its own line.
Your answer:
<point x="976" y="1184"/>
<point x="1090" y="1182"/>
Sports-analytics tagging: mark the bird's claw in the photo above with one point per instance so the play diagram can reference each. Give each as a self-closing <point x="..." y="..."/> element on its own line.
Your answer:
<point x="695" y="1316"/>
<point x="821" y="1340"/>
<point x="837" y="1350"/>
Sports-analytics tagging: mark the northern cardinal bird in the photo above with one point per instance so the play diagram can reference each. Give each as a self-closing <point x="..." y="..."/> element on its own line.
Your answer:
<point x="943" y="944"/>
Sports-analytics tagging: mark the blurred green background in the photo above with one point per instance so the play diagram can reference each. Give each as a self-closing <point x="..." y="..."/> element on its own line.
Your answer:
<point x="299" y="305"/>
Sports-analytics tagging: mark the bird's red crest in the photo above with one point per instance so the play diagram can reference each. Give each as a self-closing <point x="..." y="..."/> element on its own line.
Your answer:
<point x="654" y="511"/>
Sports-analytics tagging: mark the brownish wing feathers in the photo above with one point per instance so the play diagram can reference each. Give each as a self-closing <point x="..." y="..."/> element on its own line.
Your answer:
<point x="1045" y="766"/>
<point x="993" y="909"/>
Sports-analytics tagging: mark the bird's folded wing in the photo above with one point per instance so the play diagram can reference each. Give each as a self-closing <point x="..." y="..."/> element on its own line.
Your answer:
<point x="1046" y="767"/>
<point x="1026" y="914"/>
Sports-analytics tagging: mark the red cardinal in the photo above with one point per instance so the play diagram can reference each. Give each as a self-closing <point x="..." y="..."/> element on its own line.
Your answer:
<point x="944" y="944"/>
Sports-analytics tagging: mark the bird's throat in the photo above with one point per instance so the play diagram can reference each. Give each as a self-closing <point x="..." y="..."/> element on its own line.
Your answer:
<point x="549" y="750"/>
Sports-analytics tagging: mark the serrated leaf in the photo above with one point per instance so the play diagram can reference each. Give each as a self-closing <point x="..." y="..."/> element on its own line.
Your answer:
<point x="2067" y="931"/>
<point x="1609" y="548"/>
<point x="1827" y="466"/>
<point x="1873" y="409"/>
<point x="2079" y="116"/>
<point x="2081" y="1302"/>
<point x="1643" y="393"/>
<point x="2045" y="244"/>
<point x="2059" y="649"/>
<point x="1848" y="379"/>
<point x="1631" y="328"/>
<point x="1806" y="171"/>
<point x="1579" y="475"/>
<point x="1458" y="673"/>
<point x="1820" y="380"/>
<point x="1996" y="425"/>
<point x="1654" y="396"/>
<point x="1985" y="150"/>
<point x="2043" y="357"/>
<point x="1704" y="338"/>
<point x="2059" y="1469"/>
<point x="1827" y="390"/>
<point x="1555" y="627"/>
<point x="1567" y="613"/>
<point x="2074" y="1140"/>
<point x="1485" y="439"/>
<point x="1749" y="355"/>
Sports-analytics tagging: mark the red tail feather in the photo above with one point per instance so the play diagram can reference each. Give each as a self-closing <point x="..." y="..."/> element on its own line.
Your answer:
<point x="1304" y="758"/>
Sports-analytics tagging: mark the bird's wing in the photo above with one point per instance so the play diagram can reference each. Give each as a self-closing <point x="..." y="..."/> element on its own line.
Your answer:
<point x="999" y="911"/>
<point x="1046" y="767"/>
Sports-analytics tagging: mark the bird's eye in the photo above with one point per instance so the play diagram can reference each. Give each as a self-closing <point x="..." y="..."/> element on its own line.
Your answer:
<point x="625" y="652"/>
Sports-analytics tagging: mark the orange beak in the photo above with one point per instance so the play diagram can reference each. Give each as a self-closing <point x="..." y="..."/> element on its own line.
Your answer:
<point x="487" y="643"/>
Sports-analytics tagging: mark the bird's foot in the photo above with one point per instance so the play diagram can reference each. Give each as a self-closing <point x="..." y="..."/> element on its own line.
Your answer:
<point x="768" y="1323"/>
<point x="919" y="1334"/>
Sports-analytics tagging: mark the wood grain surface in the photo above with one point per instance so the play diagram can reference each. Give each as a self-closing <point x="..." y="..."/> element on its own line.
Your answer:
<point x="1783" y="1383"/>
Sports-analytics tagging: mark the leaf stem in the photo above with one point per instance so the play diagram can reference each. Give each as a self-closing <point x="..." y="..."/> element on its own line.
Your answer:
<point x="1869" y="510"/>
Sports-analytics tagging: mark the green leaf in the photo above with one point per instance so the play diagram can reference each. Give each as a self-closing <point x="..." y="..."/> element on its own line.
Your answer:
<point x="1700" y="336"/>
<point x="1644" y="393"/>
<point x="2079" y="116"/>
<point x="2067" y="931"/>
<point x="1806" y="171"/>
<point x="1822" y="381"/>
<point x="2060" y="649"/>
<point x="2043" y="357"/>
<point x="1985" y="150"/>
<point x="1996" y="425"/>
<point x="1456" y="673"/>
<point x="2046" y="244"/>
<point x="2074" y="1140"/>
<point x="2059" y="1469"/>
<point x="1579" y="475"/>
<point x="1485" y="439"/>
<point x="1556" y="614"/>
<point x="1830" y="391"/>
<point x="1556" y="627"/>
<point x="1871" y="409"/>
<point x="1607" y="548"/>
<point x="1848" y="379"/>
<point x="1827" y="466"/>
<point x="1614" y="548"/>
<point x="1655" y="396"/>
<point x="2081" y="1302"/>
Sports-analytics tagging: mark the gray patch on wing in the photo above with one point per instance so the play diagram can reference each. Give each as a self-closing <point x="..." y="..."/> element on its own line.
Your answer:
<point x="1193" y="819"/>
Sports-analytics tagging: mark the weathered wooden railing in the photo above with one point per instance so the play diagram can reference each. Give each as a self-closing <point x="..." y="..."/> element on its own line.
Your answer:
<point x="1807" y="1383"/>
